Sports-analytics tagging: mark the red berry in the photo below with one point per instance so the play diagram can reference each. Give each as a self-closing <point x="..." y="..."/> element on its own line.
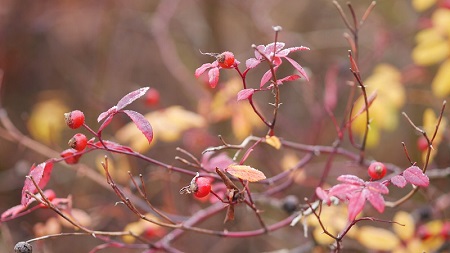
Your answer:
<point x="74" y="119"/>
<point x="422" y="143"/>
<point x="226" y="60"/>
<point x="203" y="187"/>
<point x="152" y="97"/>
<point x="377" y="170"/>
<point x="78" y="142"/>
<point x="69" y="156"/>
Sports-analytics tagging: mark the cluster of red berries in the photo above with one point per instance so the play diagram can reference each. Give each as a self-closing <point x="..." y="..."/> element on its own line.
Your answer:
<point x="377" y="170"/>
<point x="78" y="142"/>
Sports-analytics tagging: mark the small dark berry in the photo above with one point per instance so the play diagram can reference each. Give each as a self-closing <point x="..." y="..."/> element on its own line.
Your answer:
<point x="23" y="247"/>
<point x="290" y="204"/>
<point x="74" y="119"/>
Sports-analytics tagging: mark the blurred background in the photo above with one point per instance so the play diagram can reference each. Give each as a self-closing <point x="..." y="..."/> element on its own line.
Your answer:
<point x="59" y="56"/>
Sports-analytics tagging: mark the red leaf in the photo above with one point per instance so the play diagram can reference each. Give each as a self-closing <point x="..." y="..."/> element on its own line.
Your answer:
<point x="251" y="63"/>
<point x="377" y="187"/>
<point x="106" y="122"/>
<point x="288" y="78"/>
<point x="265" y="78"/>
<point x="245" y="94"/>
<point x="142" y="124"/>
<point x="342" y="190"/>
<point x="356" y="203"/>
<point x="103" y="115"/>
<point x="213" y="77"/>
<point x="351" y="179"/>
<point x="41" y="175"/>
<point x="415" y="176"/>
<point x="131" y="97"/>
<point x="377" y="201"/>
<point x="13" y="211"/>
<point x="298" y="68"/>
<point x="202" y="69"/>
<point x="398" y="181"/>
<point x="246" y="173"/>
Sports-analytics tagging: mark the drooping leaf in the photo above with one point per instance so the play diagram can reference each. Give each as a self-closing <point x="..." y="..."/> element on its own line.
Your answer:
<point x="245" y="94"/>
<point x="106" y="122"/>
<point x="298" y="68"/>
<point x="376" y="200"/>
<point x="351" y="179"/>
<point x="246" y="173"/>
<point x="287" y="79"/>
<point x="356" y="203"/>
<point x="265" y="78"/>
<point x="415" y="176"/>
<point x="131" y="97"/>
<point x="41" y="175"/>
<point x="398" y="181"/>
<point x="323" y="195"/>
<point x="213" y="75"/>
<point x="142" y="124"/>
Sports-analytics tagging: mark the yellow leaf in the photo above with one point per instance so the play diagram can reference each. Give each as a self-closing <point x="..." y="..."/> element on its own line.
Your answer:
<point x="406" y="231"/>
<point x="422" y="5"/>
<point x="168" y="125"/>
<point x="273" y="141"/>
<point x="441" y="20"/>
<point x="430" y="52"/>
<point x="441" y="82"/>
<point x="377" y="238"/>
<point x="47" y="120"/>
<point x="246" y="173"/>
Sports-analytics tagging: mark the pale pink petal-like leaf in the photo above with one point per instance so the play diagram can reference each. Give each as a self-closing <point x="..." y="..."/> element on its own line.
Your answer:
<point x="342" y="190"/>
<point x="202" y="69"/>
<point x="351" y="179"/>
<point x="377" y="201"/>
<point x="131" y="97"/>
<point x="377" y="187"/>
<point x="213" y="75"/>
<point x="265" y="78"/>
<point x="269" y="47"/>
<point x="142" y="124"/>
<point x="323" y="195"/>
<point x="298" y="68"/>
<point x="251" y="63"/>
<point x="356" y="204"/>
<point x="41" y="175"/>
<point x="288" y="78"/>
<point x="245" y="94"/>
<point x="13" y="211"/>
<point x="260" y="48"/>
<point x="398" y="181"/>
<point x="110" y="111"/>
<point x="246" y="173"/>
<point x="415" y="176"/>
<point x="294" y="49"/>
